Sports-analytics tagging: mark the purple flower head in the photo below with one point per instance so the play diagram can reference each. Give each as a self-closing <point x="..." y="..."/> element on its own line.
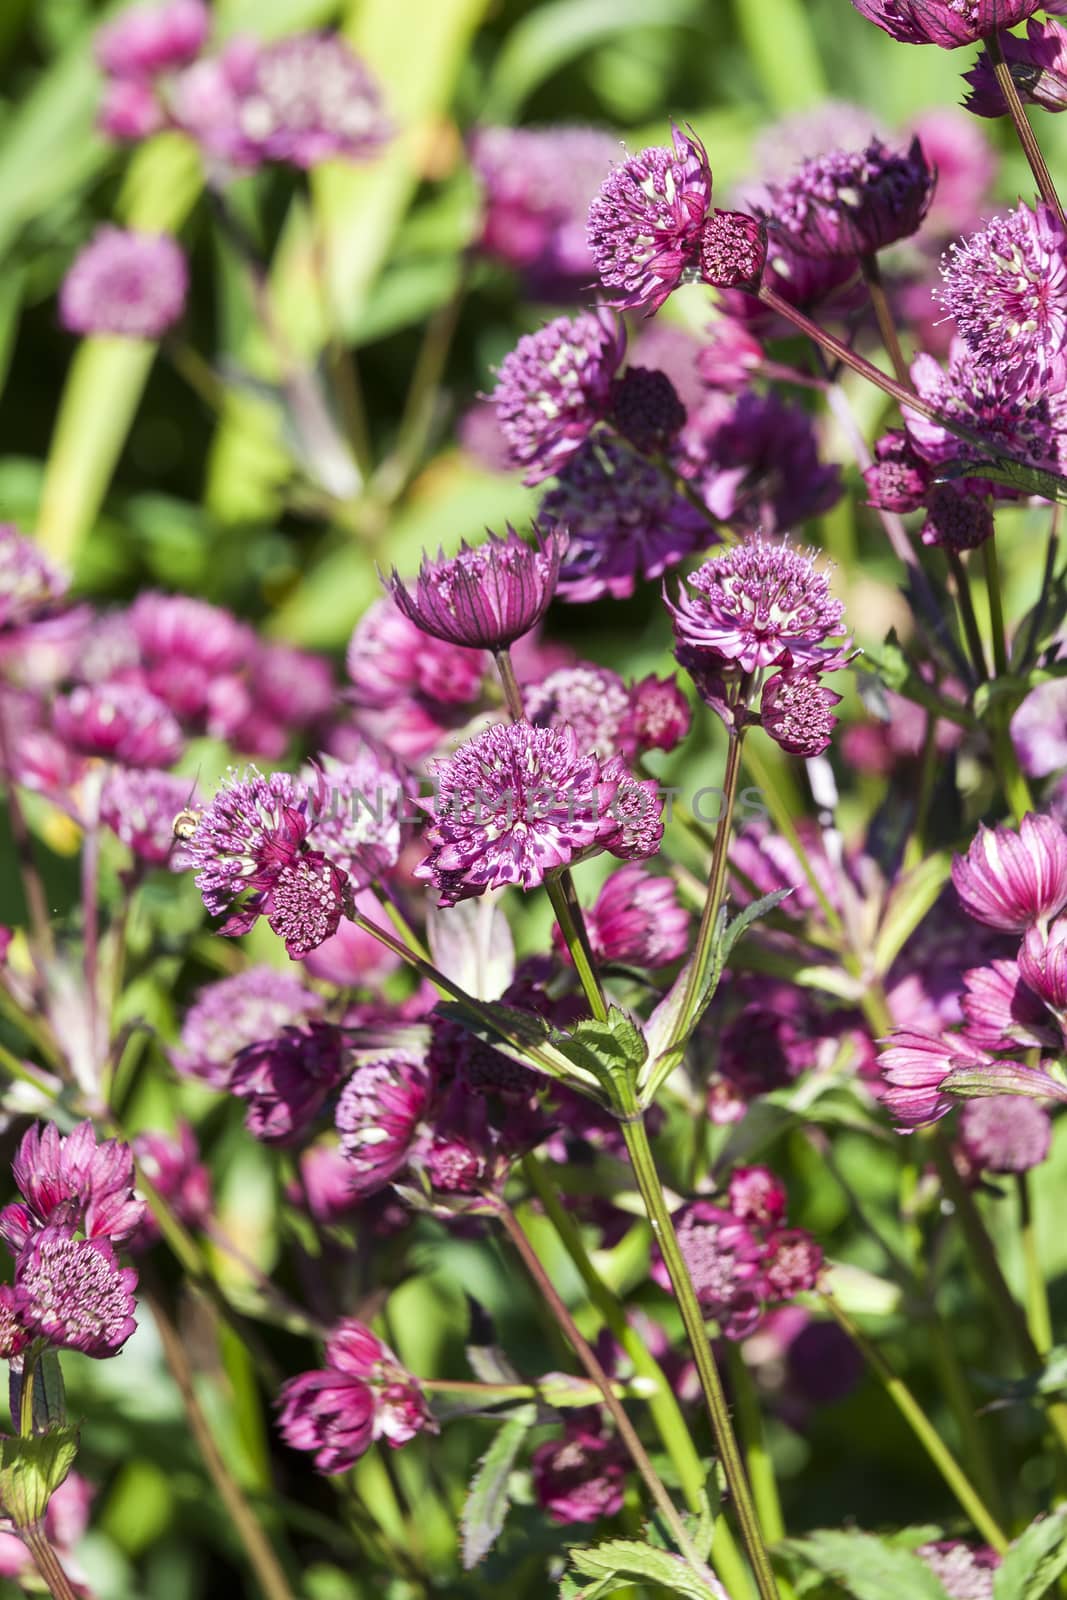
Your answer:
<point x="360" y="823"/>
<point x="797" y="711"/>
<point x="555" y="386"/>
<point x="235" y="1012"/>
<point x="512" y="804"/>
<point x="72" y="1182"/>
<point x="638" y="920"/>
<point x="486" y="597"/>
<point x="1042" y="966"/>
<point x="378" y="1116"/>
<point x="757" y="1196"/>
<point x="755" y="462"/>
<point x="948" y="23"/>
<point x="1004" y="1003"/>
<point x="538" y="184"/>
<point x="302" y="100"/>
<point x="957" y="518"/>
<point x="73" y="1293"/>
<point x="770" y="1042"/>
<point x="1038" y="65"/>
<point x="130" y="111"/>
<point x="29" y="584"/>
<point x="914" y="1066"/>
<point x="854" y="202"/>
<point x="964" y="1572"/>
<point x="581" y="1477"/>
<point x="636" y="809"/>
<point x="174" y="1168"/>
<point x="129" y="284"/>
<point x="1039" y="729"/>
<point x="733" y="251"/>
<point x="724" y="1259"/>
<point x="187" y="646"/>
<point x="791" y="1264"/>
<point x="146" y="40"/>
<point x="660" y="715"/>
<point x="285" y="1080"/>
<point x="207" y="102"/>
<point x="390" y="659"/>
<point x="647" y="223"/>
<point x="898" y="478"/>
<point x="1032" y="428"/>
<point x="757" y="602"/>
<point x="646" y="410"/>
<point x="306" y="903"/>
<point x="330" y="1414"/>
<point x="624" y="521"/>
<point x="1014" y="880"/>
<point x="140" y="808"/>
<point x="399" y="1408"/>
<point x="1006" y="290"/>
<point x="1005" y="1133"/>
<point x="120" y="721"/>
<point x="593" y="701"/>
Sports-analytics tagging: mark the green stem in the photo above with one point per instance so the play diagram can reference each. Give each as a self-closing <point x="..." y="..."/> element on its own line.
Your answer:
<point x="47" y="1563"/>
<point x="587" y="1356"/>
<point x="996" y="606"/>
<point x="872" y="276"/>
<point x="965" y="602"/>
<point x="975" y="1448"/>
<point x="943" y="1459"/>
<point x="698" y="967"/>
<point x="578" y="946"/>
<point x="750" y="1426"/>
<point x="512" y="692"/>
<point x="783" y="821"/>
<point x="1037" y="1307"/>
<point x="648" y="1182"/>
<point x="1026" y="135"/>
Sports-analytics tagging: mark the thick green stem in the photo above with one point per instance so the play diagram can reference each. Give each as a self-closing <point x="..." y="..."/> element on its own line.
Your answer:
<point x="996" y="607"/>
<point x="965" y="602"/>
<point x="972" y="1439"/>
<point x="587" y="1356"/>
<point x="750" y="1426"/>
<point x="648" y="1182"/>
<point x="1037" y="1308"/>
<point x="1026" y="135"/>
<point x="957" y="1480"/>
<point x="578" y="946"/>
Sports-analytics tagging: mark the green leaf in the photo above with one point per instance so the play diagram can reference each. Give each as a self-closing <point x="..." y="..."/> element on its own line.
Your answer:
<point x="521" y="1036"/>
<point x="626" y="1558"/>
<point x="1034" y="1561"/>
<point x="487" y="1500"/>
<point x="908" y="904"/>
<point x="786" y="57"/>
<point x="613" y="1051"/>
<point x="867" y="1567"/>
<point x="32" y="1469"/>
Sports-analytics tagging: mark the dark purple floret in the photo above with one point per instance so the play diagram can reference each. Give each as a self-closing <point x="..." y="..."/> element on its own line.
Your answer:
<point x="733" y="251"/>
<point x="797" y="711"/>
<point x="646" y="410"/>
<point x="851" y="203"/>
<point x="286" y="1080"/>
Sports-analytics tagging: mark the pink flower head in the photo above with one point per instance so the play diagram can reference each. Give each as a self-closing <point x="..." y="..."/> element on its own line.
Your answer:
<point x="757" y="1196"/>
<point x="647" y="223"/>
<point x="1043" y="966"/>
<point x="1006" y="290"/>
<point x="378" y="1115"/>
<point x="1004" y="1003"/>
<point x="174" y="1168"/>
<point x="1039" y="729"/>
<point x="636" y="809"/>
<point x="132" y="285"/>
<point x="757" y="602"/>
<point x="359" y="822"/>
<point x="730" y="356"/>
<point x="362" y="1395"/>
<point x="120" y="721"/>
<point x="724" y="1259"/>
<point x="593" y="701"/>
<point x="140" y="809"/>
<point x="660" y="715"/>
<point x="130" y="110"/>
<point x="1028" y="427"/>
<point x="791" y="1264"/>
<point x="555" y="386"/>
<point x="29" y="584"/>
<point x="797" y="711"/>
<point x="1014" y="880"/>
<point x="638" y="920"/>
<point x="1005" y="1133"/>
<point x="235" y="1012"/>
<point x="146" y="40"/>
<point x="898" y="479"/>
<point x="72" y="1182"/>
<point x="1038" y="65"/>
<point x="511" y="805"/>
<point x="409" y="689"/>
<point x="73" y="1293"/>
<point x="285" y="1080"/>
<point x="854" y="202"/>
<point x="948" y="23"/>
<point x="486" y="597"/>
<point x="581" y="1477"/>
<point x="624" y="521"/>
<point x="733" y="251"/>
<point x="646" y="410"/>
<point x="310" y="99"/>
<point x="187" y="646"/>
<point x="915" y="1066"/>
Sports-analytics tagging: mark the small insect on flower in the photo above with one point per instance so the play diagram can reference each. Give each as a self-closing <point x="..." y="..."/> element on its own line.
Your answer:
<point x="185" y="823"/>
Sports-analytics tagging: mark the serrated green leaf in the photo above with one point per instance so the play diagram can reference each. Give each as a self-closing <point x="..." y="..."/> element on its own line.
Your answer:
<point x="868" y="1567"/>
<point x="750" y="914"/>
<point x="613" y="1051"/>
<point x="487" y="1500"/>
<point x="573" y="1587"/>
<point x="1034" y="1561"/>
<point x="32" y="1469"/>
<point x="521" y="1036"/>
<point x="626" y="1558"/>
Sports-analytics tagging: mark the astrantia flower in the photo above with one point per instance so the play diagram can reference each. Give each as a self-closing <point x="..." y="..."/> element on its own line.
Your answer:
<point x="186" y="647"/>
<point x="1014" y="880"/>
<point x="1006" y="290"/>
<point x="636" y="808"/>
<point x="647" y="222"/>
<point x="308" y="98"/>
<point x="73" y="1293"/>
<point x="581" y="1477"/>
<point x="1004" y="1002"/>
<point x="1005" y="1133"/>
<point x="851" y="202"/>
<point x="791" y="1264"/>
<point x="755" y="603"/>
<point x="916" y="1065"/>
<point x="755" y="462"/>
<point x="797" y="711"/>
<point x="140" y="808"/>
<point x="593" y="701"/>
<point x="121" y="721"/>
<point x="359" y="821"/>
<point x="74" y="1182"/>
<point x="965" y="1573"/>
<point x="173" y="1166"/>
<point x="957" y="518"/>
<point x="948" y="23"/>
<point x="29" y="584"/>
<point x="638" y="920"/>
<point x="1038" y="65"/>
<point x="733" y="251"/>
<point x="1042" y="966"/>
<point x="723" y="1256"/>
<point x="378" y="1115"/>
<point x="130" y="110"/>
<point x="757" y="1196"/>
<point x="898" y="477"/>
<point x="306" y="902"/>
<point x="555" y="386"/>
<point x="130" y="284"/>
<point x="1032" y="428"/>
<point x="512" y="804"/>
<point x="235" y="1012"/>
<point x="285" y="1080"/>
<point x="1039" y="729"/>
<point x="660" y="715"/>
<point x="623" y="519"/>
<point x="486" y="597"/>
<point x="145" y="40"/>
<point x="645" y="409"/>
